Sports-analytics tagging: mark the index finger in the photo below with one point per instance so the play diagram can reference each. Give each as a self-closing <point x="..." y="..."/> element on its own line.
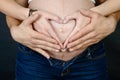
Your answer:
<point x="43" y="37"/>
<point x="52" y="32"/>
<point x="84" y="31"/>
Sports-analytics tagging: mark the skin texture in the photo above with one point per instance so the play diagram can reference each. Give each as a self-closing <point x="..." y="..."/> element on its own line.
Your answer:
<point x="13" y="9"/>
<point x="62" y="10"/>
<point x="14" y="23"/>
<point x="108" y="7"/>
<point x="96" y="30"/>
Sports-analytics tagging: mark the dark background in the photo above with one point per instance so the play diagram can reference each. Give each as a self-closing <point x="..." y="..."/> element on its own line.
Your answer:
<point x="112" y="43"/>
<point x="8" y="50"/>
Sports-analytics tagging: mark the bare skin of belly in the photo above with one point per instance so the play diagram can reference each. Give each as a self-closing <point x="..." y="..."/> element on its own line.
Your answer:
<point x="62" y="8"/>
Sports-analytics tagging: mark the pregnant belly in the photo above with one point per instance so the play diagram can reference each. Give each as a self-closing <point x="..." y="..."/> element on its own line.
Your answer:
<point x="62" y="8"/>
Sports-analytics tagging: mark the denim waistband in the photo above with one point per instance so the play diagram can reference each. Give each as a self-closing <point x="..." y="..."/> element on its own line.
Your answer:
<point x="91" y="52"/>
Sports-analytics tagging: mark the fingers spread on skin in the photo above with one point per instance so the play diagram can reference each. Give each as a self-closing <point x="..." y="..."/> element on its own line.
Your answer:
<point x="82" y="45"/>
<point x="81" y="22"/>
<point x="74" y="43"/>
<point x="55" y="18"/>
<point x="53" y="34"/>
<point x="47" y="28"/>
<point x="47" y="48"/>
<point x="84" y="31"/>
<point x="75" y="30"/>
<point x="43" y="37"/>
<point x="91" y="36"/>
<point x="70" y="17"/>
<point x="50" y="16"/>
<point x="43" y="52"/>
<point x="88" y="13"/>
<point x="65" y="44"/>
<point x="40" y="27"/>
<point x="48" y="44"/>
<point x="31" y="19"/>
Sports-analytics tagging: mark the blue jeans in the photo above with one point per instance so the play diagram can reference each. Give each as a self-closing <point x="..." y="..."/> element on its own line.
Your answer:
<point x="90" y="65"/>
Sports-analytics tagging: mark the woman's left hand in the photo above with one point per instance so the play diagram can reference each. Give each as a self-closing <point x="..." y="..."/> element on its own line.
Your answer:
<point x="99" y="27"/>
<point x="80" y="22"/>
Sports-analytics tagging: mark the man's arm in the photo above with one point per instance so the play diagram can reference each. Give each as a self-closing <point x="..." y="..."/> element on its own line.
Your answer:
<point x="102" y="8"/>
<point x="107" y="7"/>
<point x="13" y="9"/>
<point x="23" y="4"/>
<point x="116" y="15"/>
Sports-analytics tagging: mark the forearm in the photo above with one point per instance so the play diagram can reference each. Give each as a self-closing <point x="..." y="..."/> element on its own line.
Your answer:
<point x="14" y="22"/>
<point x="13" y="9"/>
<point x="116" y="15"/>
<point x="108" y="7"/>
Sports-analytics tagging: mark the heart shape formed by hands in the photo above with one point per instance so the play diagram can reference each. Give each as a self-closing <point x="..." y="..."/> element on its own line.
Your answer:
<point x="63" y="30"/>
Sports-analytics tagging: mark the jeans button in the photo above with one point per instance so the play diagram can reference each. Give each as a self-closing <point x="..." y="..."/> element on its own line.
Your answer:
<point x="65" y="72"/>
<point x="63" y="63"/>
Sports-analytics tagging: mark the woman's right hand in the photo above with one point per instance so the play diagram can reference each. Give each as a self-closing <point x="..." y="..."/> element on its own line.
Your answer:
<point x="43" y="24"/>
<point x="26" y="35"/>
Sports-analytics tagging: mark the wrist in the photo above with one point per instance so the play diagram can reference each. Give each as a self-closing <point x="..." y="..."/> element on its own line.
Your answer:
<point x="116" y="16"/>
<point x="113" y="20"/>
<point x="25" y="13"/>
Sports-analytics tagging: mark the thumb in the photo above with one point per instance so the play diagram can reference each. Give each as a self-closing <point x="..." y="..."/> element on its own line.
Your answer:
<point x="87" y="13"/>
<point x="32" y="19"/>
<point x="70" y="17"/>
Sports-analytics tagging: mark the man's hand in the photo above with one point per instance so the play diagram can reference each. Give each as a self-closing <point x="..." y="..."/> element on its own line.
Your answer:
<point x="37" y="41"/>
<point x="96" y="30"/>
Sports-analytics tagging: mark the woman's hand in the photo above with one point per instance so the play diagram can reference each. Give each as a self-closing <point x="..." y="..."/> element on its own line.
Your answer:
<point x="44" y="26"/>
<point x="96" y="30"/>
<point x="80" y="22"/>
<point x="37" y="41"/>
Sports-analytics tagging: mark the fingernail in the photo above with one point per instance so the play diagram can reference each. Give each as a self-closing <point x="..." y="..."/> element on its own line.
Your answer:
<point x="70" y="49"/>
<point x="56" y="50"/>
<point x="61" y="45"/>
<point x="48" y="57"/>
<point x="64" y="50"/>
